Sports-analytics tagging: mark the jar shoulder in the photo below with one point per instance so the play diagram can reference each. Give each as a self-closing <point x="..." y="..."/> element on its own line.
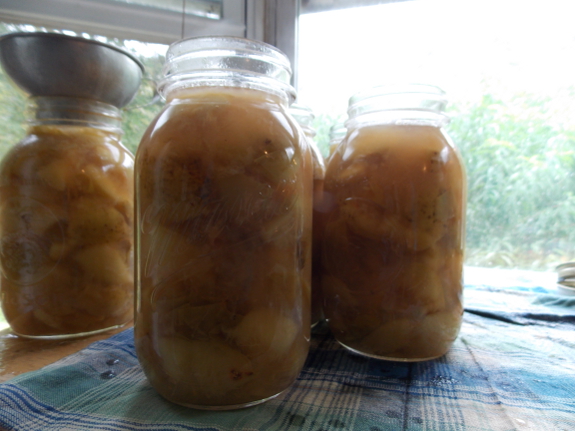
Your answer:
<point x="224" y="122"/>
<point x="66" y="151"/>
<point x="422" y="147"/>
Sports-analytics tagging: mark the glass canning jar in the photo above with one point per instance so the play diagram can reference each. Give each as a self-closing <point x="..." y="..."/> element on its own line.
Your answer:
<point x="304" y="117"/>
<point x="223" y="216"/>
<point x="394" y="237"/>
<point x="66" y="210"/>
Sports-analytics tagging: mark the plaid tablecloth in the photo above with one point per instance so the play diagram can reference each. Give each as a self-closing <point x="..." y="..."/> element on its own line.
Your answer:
<point x="512" y="368"/>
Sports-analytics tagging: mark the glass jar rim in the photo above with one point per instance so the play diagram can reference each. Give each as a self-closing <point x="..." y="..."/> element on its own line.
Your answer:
<point x="73" y="111"/>
<point x="226" y="61"/>
<point x="398" y="88"/>
<point x="399" y="103"/>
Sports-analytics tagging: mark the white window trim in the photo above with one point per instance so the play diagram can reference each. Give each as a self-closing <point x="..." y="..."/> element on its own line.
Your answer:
<point x="123" y="20"/>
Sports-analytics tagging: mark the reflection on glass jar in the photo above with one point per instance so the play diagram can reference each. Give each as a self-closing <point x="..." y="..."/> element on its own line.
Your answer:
<point x="66" y="193"/>
<point x="394" y="236"/>
<point x="224" y="206"/>
<point x="336" y="134"/>
<point x="304" y="116"/>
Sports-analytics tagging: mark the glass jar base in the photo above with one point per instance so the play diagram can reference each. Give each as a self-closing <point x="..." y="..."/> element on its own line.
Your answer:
<point x="68" y="336"/>
<point x="228" y="407"/>
<point x="390" y="358"/>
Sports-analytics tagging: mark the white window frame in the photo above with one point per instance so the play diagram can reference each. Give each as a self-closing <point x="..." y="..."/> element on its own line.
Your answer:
<point x="123" y="20"/>
<point x="271" y="21"/>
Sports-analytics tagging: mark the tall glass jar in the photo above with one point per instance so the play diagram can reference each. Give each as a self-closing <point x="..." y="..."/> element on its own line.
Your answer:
<point x="394" y="239"/>
<point x="304" y="116"/>
<point x="223" y="215"/>
<point x="66" y="210"/>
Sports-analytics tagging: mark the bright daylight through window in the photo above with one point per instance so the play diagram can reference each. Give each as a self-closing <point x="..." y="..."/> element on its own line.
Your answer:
<point x="508" y="69"/>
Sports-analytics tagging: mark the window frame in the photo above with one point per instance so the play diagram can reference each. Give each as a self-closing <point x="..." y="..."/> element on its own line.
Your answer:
<point x="123" y="20"/>
<point x="271" y="21"/>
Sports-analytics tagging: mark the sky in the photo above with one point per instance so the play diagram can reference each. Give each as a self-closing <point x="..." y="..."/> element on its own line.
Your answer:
<point x="466" y="47"/>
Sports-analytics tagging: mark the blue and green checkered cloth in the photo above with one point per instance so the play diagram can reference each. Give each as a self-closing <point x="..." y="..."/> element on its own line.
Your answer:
<point x="512" y="368"/>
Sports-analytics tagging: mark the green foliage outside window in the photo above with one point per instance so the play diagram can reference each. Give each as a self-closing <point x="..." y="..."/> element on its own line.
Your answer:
<point x="520" y="160"/>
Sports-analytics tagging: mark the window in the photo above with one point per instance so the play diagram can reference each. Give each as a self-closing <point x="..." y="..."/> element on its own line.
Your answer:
<point x="508" y="68"/>
<point x="507" y="65"/>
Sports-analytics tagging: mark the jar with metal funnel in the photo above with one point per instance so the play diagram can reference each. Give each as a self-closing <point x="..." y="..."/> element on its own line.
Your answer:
<point x="66" y="189"/>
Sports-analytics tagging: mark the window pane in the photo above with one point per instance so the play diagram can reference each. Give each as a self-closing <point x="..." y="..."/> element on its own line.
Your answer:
<point x="311" y="6"/>
<point x="508" y="68"/>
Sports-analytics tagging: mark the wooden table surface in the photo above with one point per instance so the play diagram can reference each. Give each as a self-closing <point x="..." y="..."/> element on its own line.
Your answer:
<point x="19" y="355"/>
